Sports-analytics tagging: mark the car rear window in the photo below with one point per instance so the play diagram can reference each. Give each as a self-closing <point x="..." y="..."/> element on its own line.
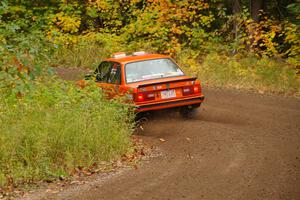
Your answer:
<point x="151" y="69"/>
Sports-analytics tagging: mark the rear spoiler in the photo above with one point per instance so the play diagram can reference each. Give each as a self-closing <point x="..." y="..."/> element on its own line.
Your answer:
<point x="173" y="81"/>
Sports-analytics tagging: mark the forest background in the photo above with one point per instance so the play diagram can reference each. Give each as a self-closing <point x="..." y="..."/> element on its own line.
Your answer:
<point x="239" y="43"/>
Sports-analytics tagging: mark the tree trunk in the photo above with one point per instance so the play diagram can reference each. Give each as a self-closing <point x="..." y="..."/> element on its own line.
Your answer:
<point x="236" y="10"/>
<point x="255" y="7"/>
<point x="236" y="7"/>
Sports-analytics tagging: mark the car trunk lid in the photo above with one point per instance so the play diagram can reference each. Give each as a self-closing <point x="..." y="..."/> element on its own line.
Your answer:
<point x="166" y="89"/>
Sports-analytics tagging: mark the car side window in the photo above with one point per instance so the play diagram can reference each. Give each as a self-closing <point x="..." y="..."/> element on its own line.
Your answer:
<point x="115" y="74"/>
<point x="108" y="72"/>
<point x="102" y="71"/>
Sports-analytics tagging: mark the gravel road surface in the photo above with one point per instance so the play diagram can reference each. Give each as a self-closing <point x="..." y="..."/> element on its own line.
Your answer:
<point x="238" y="146"/>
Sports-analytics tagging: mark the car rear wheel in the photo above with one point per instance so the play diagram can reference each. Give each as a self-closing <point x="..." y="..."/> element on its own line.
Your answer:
<point x="189" y="112"/>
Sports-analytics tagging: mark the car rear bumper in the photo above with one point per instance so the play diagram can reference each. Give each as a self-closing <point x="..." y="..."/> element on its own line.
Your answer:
<point x="170" y="104"/>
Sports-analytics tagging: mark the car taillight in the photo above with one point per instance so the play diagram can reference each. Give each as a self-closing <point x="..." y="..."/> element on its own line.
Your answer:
<point x="197" y="89"/>
<point x="145" y="96"/>
<point x="193" y="89"/>
<point x="140" y="97"/>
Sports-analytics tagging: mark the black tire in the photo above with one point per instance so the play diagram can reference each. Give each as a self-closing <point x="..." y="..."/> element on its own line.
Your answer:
<point x="188" y="112"/>
<point x="141" y="116"/>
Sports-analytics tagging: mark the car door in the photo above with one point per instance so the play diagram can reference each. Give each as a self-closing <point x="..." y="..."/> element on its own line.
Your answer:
<point x="108" y="77"/>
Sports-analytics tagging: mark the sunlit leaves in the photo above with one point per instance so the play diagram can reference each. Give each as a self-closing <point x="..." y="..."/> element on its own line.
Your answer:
<point x="67" y="23"/>
<point x="269" y="37"/>
<point x="170" y="23"/>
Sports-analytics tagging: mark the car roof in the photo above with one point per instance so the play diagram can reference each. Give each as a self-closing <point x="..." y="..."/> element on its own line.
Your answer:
<point x="131" y="58"/>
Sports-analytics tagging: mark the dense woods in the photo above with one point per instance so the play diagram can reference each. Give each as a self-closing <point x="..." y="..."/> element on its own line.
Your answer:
<point x="192" y="28"/>
<point x="80" y="32"/>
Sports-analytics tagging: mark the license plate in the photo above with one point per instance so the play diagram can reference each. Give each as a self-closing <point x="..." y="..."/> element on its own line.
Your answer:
<point x="166" y="94"/>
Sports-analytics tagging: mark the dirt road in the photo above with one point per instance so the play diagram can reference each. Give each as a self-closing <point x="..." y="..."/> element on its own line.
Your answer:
<point x="239" y="146"/>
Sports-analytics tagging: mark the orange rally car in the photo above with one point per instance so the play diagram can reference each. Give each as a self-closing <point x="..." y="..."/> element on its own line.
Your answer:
<point x="151" y="81"/>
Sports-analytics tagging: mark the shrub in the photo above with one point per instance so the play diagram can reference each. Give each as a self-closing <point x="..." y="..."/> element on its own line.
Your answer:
<point x="57" y="128"/>
<point x="240" y="71"/>
<point x="86" y="50"/>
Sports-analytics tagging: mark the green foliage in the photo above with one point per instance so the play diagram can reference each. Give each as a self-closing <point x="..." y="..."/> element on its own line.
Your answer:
<point x="294" y="10"/>
<point x="24" y="50"/>
<point x="169" y="25"/>
<point x="269" y="37"/>
<point x="23" y="62"/>
<point x="87" y="50"/>
<point x="58" y="127"/>
<point x="250" y="73"/>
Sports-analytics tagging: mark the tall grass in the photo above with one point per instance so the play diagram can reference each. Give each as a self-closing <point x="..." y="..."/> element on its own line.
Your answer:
<point x="244" y="72"/>
<point x="87" y="51"/>
<point x="57" y="128"/>
<point x="84" y="55"/>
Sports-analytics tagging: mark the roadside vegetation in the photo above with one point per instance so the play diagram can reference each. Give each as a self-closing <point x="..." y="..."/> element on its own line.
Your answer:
<point x="49" y="127"/>
<point x="263" y="75"/>
<point x="222" y="41"/>
<point x="57" y="128"/>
